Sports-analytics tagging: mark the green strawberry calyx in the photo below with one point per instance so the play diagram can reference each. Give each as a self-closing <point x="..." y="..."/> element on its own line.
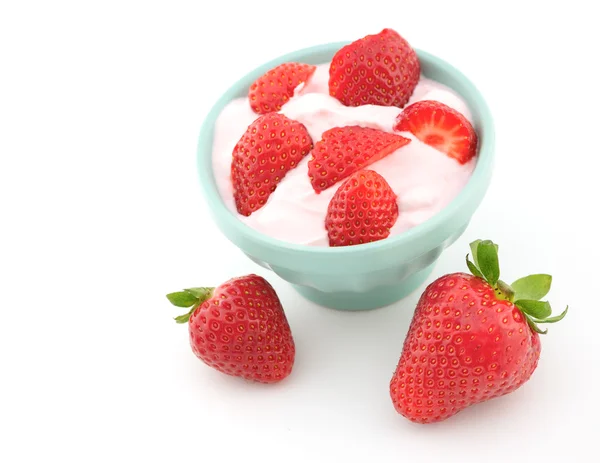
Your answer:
<point x="191" y="297"/>
<point x="525" y="292"/>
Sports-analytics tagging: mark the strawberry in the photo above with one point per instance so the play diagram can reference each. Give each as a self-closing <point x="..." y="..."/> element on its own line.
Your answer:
<point x="272" y="145"/>
<point x="274" y="89"/>
<point x="239" y="328"/>
<point x="472" y="338"/>
<point x="345" y="150"/>
<point x="380" y="69"/>
<point x="441" y="127"/>
<point x="363" y="209"/>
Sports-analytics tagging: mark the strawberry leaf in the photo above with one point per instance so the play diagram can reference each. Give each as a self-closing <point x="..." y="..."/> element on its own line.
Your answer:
<point x="533" y="326"/>
<point x="487" y="257"/>
<point x="185" y="317"/>
<point x="474" y="270"/>
<point x="555" y="319"/>
<point x="537" y="309"/>
<point x="200" y="293"/>
<point x="505" y="291"/>
<point x="191" y="297"/>
<point x="532" y="287"/>
<point x="474" y="246"/>
<point x="182" y="299"/>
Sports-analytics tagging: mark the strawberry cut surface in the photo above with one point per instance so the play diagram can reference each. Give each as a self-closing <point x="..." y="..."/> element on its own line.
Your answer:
<point x="440" y="127"/>
<point x="343" y="151"/>
<point x="271" y="147"/>
<point x="274" y="89"/>
<point x="380" y="69"/>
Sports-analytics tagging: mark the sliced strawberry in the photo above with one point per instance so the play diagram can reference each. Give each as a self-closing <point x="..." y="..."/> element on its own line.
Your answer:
<point x="363" y="209"/>
<point x="380" y="69"/>
<point x="274" y="89"/>
<point x="441" y="127"/>
<point x="345" y="150"/>
<point x="272" y="145"/>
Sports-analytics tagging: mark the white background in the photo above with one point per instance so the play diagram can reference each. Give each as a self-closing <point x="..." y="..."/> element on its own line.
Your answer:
<point x="102" y="215"/>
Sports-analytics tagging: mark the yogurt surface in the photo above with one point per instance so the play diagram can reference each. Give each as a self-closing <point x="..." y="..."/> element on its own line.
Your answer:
<point x="424" y="179"/>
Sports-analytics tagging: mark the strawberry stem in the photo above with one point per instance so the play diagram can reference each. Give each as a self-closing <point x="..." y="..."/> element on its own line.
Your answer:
<point x="191" y="297"/>
<point x="504" y="291"/>
<point x="525" y="292"/>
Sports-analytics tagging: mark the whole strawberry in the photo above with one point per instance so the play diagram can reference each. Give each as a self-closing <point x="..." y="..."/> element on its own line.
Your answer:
<point x="272" y="145"/>
<point x="239" y="328"/>
<point x="275" y="88"/>
<point x="362" y="210"/>
<point x="380" y="69"/>
<point x="343" y="151"/>
<point x="472" y="338"/>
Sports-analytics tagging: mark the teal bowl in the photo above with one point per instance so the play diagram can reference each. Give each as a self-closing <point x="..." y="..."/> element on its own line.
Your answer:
<point x="369" y="275"/>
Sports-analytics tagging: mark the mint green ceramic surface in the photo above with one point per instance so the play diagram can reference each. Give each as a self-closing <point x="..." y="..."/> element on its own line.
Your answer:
<point x="369" y="275"/>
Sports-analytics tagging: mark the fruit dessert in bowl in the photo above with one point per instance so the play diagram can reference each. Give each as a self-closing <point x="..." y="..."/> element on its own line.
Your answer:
<point x="347" y="168"/>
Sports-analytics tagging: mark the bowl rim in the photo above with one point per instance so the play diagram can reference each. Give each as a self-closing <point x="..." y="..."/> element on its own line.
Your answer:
<point x="230" y="223"/>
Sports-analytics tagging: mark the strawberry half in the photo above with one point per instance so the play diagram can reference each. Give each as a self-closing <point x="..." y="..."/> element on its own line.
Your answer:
<point x="345" y="150"/>
<point x="441" y="127"/>
<point x="274" y="89"/>
<point x="363" y="209"/>
<point x="272" y="145"/>
<point x="380" y="69"/>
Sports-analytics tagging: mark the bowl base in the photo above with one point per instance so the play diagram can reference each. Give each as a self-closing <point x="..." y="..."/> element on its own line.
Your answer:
<point x="374" y="299"/>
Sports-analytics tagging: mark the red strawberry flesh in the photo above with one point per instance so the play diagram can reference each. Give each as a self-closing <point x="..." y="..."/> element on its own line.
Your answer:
<point x="440" y="127"/>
